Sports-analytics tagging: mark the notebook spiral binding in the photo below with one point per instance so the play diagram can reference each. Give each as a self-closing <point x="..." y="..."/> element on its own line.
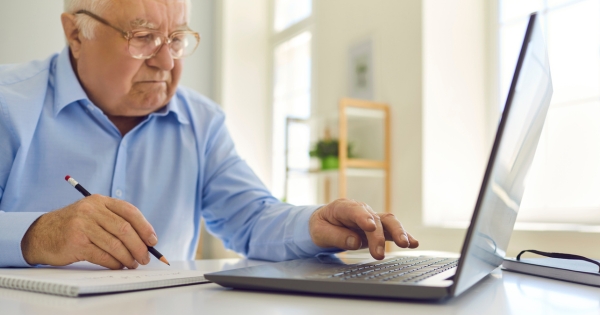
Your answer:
<point x="36" y="286"/>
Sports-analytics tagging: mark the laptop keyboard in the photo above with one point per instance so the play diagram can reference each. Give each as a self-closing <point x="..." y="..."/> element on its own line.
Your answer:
<point x="397" y="269"/>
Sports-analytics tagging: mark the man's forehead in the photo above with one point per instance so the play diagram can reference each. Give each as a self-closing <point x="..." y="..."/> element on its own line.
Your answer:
<point x="153" y="13"/>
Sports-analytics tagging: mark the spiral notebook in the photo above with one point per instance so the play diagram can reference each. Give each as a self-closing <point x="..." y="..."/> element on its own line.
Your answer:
<point x="85" y="279"/>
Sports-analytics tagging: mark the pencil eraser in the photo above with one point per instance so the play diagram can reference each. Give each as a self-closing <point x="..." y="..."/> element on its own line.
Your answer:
<point x="67" y="178"/>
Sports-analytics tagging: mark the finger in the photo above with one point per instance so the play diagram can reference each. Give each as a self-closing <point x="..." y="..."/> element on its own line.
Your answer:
<point x="376" y="238"/>
<point x="135" y="217"/>
<point x="111" y="245"/>
<point x="329" y="235"/>
<point x="352" y="214"/>
<point x="414" y="243"/>
<point x="124" y="231"/>
<point x="95" y="255"/>
<point x="394" y="230"/>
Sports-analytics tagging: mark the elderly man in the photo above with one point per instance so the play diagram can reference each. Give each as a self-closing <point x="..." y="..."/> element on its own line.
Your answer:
<point x="108" y="110"/>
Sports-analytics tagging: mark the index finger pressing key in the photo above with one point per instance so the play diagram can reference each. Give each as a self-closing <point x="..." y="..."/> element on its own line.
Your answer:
<point x="394" y="228"/>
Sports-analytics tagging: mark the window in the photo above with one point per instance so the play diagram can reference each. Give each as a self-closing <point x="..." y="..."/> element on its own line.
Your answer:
<point x="290" y="12"/>
<point x="564" y="181"/>
<point x="292" y="83"/>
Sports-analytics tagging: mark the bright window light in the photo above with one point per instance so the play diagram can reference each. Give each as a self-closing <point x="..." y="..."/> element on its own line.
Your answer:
<point x="291" y="99"/>
<point x="290" y="12"/>
<point x="564" y="181"/>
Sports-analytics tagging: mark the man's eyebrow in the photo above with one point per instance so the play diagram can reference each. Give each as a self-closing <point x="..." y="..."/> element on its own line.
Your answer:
<point x="142" y="23"/>
<point x="183" y="26"/>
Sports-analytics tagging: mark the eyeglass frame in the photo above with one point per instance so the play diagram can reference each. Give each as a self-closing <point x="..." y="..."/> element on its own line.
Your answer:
<point x="128" y="35"/>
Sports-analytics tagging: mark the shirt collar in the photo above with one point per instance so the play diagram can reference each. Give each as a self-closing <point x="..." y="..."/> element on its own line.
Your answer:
<point x="174" y="106"/>
<point x="68" y="90"/>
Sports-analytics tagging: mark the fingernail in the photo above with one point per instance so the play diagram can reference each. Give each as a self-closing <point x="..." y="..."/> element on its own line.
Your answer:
<point x="153" y="240"/>
<point x="350" y="242"/>
<point x="135" y="265"/>
<point x="406" y="239"/>
<point x="380" y="250"/>
<point x="147" y="258"/>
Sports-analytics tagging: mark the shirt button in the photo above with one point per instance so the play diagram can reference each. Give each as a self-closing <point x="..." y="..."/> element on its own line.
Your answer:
<point x="119" y="193"/>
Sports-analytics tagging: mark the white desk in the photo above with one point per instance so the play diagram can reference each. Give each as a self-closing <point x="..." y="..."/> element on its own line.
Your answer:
<point x="499" y="293"/>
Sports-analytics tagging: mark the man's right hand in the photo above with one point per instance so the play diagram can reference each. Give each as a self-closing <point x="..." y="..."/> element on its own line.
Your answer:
<point x="102" y="230"/>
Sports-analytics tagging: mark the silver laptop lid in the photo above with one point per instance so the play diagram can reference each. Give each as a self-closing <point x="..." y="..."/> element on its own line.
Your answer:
<point x="514" y="147"/>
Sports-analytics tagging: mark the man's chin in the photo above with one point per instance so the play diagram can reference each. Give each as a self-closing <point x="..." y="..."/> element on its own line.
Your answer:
<point x="151" y="104"/>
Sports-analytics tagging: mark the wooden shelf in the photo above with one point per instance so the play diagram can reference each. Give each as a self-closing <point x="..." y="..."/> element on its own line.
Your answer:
<point x="360" y="163"/>
<point x="363" y="113"/>
<point x="351" y="111"/>
<point x="350" y="172"/>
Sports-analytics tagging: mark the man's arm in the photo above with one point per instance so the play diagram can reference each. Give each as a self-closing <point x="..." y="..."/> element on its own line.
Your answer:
<point x="12" y="225"/>
<point x="12" y="229"/>
<point x="240" y="210"/>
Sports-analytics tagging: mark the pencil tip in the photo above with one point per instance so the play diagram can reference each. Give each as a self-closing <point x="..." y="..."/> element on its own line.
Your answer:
<point x="164" y="260"/>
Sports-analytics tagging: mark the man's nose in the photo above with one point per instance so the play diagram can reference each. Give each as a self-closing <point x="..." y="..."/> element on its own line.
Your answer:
<point x="162" y="60"/>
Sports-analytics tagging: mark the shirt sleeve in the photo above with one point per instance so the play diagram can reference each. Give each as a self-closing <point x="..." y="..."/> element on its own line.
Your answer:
<point x="13" y="225"/>
<point x="239" y="209"/>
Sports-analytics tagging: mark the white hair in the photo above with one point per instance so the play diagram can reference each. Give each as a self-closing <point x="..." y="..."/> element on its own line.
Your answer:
<point x="86" y="24"/>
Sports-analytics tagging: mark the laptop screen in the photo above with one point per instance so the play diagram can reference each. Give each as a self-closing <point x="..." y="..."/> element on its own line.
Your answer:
<point x="513" y="151"/>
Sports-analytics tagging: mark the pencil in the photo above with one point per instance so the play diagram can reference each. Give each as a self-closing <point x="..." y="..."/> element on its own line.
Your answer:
<point x="86" y="193"/>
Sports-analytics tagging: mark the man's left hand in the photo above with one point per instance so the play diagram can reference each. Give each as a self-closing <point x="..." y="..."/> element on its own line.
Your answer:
<point x="351" y="225"/>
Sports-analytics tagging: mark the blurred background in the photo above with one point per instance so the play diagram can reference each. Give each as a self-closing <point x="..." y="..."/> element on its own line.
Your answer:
<point x="280" y="67"/>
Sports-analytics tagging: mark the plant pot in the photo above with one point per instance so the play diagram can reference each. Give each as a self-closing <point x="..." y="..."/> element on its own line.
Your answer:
<point x="330" y="163"/>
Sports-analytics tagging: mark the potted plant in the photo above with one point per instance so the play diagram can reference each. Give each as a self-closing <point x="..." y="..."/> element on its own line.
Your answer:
<point x="327" y="150"/>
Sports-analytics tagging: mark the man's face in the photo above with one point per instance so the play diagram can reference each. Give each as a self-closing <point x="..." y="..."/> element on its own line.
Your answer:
<point x="116" y="82"/>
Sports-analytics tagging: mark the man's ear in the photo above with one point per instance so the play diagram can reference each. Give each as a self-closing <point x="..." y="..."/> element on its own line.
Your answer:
<point x="71" y="33"/>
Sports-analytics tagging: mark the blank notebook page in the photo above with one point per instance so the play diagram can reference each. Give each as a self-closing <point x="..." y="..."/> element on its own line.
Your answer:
<point x="85" y="278"/>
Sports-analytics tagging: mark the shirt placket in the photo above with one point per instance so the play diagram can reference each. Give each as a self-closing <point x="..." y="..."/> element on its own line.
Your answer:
<point x="119" y="176"/>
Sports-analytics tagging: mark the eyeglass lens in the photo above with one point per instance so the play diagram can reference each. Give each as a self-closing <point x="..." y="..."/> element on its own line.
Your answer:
<point x="144" y="45"/>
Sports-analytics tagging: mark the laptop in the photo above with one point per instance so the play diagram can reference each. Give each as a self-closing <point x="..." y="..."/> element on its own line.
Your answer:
<point x="436" y="278"/>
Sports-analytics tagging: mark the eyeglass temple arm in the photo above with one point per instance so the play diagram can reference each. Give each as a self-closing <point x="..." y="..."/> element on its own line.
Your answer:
<point x="103" y="21"/>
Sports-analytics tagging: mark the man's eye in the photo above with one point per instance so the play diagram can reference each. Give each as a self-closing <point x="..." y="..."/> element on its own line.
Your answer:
<point x="144" y="37"/>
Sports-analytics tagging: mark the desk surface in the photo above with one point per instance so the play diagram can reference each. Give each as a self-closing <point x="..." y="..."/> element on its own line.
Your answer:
<point x="499" y="293"/>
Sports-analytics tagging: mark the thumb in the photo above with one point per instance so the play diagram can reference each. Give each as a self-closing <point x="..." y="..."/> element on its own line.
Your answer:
<point x="325" y="234"/>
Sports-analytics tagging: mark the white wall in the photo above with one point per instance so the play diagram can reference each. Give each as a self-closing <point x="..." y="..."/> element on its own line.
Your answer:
<point x="241" y="64"/>
<point x="244" y="91"/>
<point x="455" y="97"/>
<point x="30" y="29"/>
<point x="200" y="70"/>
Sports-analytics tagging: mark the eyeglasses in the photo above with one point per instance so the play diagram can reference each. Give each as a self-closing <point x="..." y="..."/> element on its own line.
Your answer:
<point x="145" y="44"/>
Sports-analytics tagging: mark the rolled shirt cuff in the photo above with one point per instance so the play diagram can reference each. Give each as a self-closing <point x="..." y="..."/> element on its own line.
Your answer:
<point x="13" y="227"/>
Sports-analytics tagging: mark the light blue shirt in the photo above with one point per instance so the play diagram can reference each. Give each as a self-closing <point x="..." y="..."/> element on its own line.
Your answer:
<point x="179" y="165"/>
